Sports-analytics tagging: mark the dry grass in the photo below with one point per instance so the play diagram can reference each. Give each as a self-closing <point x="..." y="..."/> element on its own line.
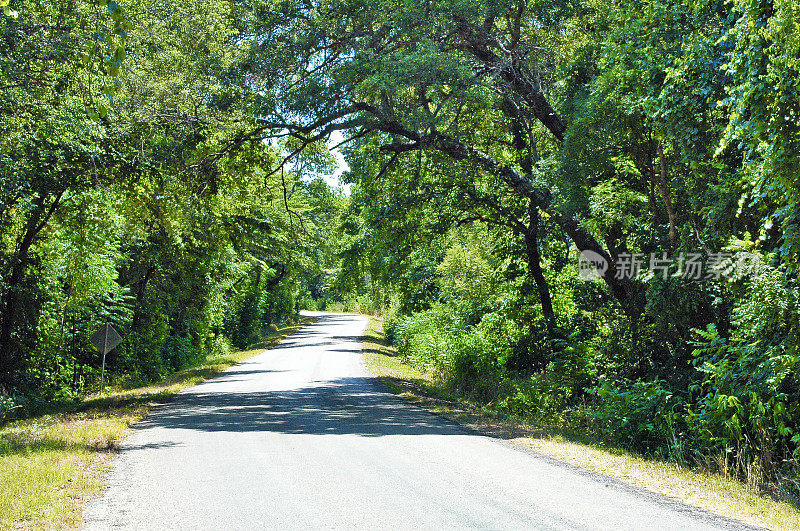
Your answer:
<point x="708" y="491"/>
<point x="52" y="464"/>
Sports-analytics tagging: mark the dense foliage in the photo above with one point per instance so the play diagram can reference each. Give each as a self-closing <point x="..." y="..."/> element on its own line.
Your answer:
<point x="158" y="168"/>
<point x="491" y="144"/>
<point x="132" y="191"/>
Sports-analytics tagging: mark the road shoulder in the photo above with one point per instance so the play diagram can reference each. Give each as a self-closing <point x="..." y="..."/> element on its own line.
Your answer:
<point x="52" y="465"/>
<point x="711" y="492"/>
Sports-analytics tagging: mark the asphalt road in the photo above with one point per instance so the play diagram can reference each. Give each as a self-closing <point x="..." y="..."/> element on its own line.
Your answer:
<point x="301" y="437"/>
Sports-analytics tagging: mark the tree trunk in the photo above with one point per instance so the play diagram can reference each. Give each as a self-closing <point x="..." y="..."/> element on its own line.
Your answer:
<point x="40" y="215"/>
<point x="535" y="269"/>
<point x="661" y="179"/>
<point x="620" y="286"/>
<point x="141" y="290"/>
<point x="525" y="83"/>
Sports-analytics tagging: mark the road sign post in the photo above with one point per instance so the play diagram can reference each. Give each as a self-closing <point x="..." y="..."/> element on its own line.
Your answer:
<point x="105" y="340"/>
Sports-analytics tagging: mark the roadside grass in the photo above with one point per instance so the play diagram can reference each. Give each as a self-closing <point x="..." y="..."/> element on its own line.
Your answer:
<point x="713" y="492"/>
<point x="52" y="464"/>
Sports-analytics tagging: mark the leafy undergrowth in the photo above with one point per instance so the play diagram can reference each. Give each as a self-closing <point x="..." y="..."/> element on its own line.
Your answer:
<point x="52" y="464"/>
<point x="713" y="492"/>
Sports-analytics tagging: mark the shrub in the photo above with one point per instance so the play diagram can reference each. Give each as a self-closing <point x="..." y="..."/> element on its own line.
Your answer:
<point x="420" y="337"/>
<point x="538" y="397"/>
<point x="179" y="352"/>
<point x="642" y="416"/>
<point x="746" y="416"/>
<point x="473" y="364"/>
<point x="219" y="346"/>
<point x="391" y="318"/>
<point x="469" y="359"/>
<point x="7" y="407"/>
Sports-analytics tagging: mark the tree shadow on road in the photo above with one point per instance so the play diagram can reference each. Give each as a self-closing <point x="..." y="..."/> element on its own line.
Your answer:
<point x="337" y="407"/>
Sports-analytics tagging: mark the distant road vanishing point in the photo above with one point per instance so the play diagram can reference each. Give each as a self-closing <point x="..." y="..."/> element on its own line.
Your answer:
<point x="302" y="437"/>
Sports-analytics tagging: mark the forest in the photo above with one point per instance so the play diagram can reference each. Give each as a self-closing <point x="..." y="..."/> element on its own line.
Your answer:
<point x="581" y="212"/>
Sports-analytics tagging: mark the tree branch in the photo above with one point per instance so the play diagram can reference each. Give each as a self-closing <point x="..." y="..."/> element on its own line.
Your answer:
<point x="479" y="44"/>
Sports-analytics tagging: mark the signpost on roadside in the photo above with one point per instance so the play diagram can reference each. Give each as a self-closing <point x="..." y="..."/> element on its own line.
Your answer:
<point x="105" y="340"/>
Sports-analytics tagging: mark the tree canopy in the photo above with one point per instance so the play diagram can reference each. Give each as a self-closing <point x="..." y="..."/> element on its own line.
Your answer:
<point x="581" y="211"/>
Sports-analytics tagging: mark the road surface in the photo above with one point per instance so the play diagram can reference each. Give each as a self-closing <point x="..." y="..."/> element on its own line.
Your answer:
<point x="301" y="437"/>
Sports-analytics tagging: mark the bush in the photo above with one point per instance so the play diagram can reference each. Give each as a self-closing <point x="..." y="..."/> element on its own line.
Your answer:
<point x="731" y="403"/>
<point x="469" y="359"/>
<point x="553" y="393"/>
<point x="641" y="416"/>
<point x="219" y="346"/>
<point x="362" y="304"/>
<point x="538" y="397"/>
<point x="391" y="319"/>
<point x="7" y="407"/>
<point x="746" y="416"/>
<point x="420" y="338"/>
<point x="179" y="352"/>
<point x="473" y="365"/>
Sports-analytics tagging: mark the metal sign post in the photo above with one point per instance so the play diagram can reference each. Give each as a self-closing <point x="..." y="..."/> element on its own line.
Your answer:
<point x="103" y="366"/>
<point x="105" y="340"/>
